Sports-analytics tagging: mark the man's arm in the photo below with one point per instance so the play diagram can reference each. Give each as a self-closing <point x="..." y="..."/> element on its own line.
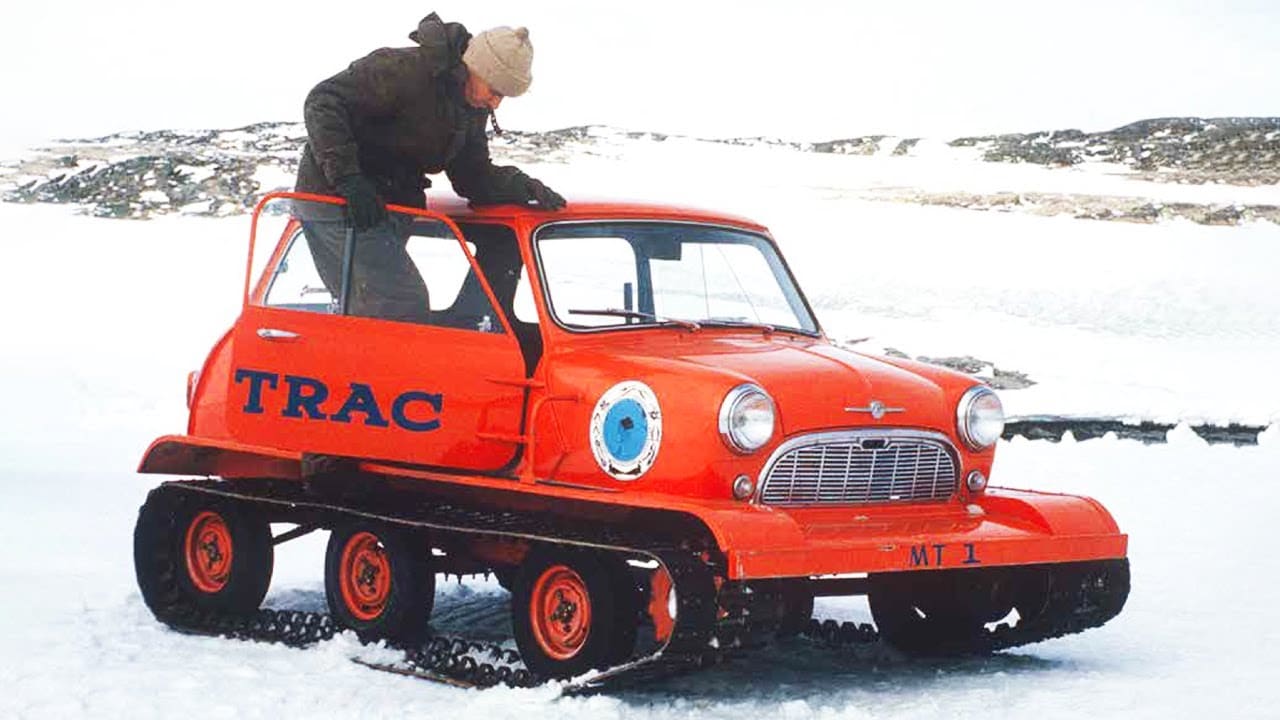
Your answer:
<point x="373" y="86"/>
<point x="475" y="177"/>
<point x="472" y="171"/>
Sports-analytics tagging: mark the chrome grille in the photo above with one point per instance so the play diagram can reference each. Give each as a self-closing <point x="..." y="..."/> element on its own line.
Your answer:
<point x="859" y="468"/>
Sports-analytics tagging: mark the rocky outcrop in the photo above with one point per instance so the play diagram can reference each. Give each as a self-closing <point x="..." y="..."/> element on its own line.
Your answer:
<point x="1240" y="151"/>
<point x="1091" y="207"/>
<point x="141" y="174"/>
<point x="220" y="172"/>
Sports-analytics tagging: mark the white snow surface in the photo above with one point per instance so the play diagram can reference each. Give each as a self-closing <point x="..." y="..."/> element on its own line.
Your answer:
<point x="1195" y="639"/>
<point x="1174" y="321"/>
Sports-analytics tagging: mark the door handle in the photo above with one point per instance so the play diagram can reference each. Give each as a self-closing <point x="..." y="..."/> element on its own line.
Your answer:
<point x="274" y="334"/>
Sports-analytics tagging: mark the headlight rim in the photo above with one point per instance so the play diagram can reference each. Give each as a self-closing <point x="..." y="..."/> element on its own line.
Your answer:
<point x="735" y="396"/>
<point x="963" y="408"/>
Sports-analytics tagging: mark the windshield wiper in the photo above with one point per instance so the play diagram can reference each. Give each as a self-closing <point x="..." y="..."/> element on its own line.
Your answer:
<point x="732" y="322"/>
<point x="615" y="312"/>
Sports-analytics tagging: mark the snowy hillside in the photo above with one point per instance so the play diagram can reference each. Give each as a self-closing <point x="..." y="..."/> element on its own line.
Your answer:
<point x="1088" y="278"/>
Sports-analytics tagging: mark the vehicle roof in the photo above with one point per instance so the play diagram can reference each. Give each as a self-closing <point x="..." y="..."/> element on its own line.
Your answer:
<point x="587" y="209"/>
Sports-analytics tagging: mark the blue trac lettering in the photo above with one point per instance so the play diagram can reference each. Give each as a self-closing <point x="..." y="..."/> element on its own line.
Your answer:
<point x="361" y="400"/>
<point x="413" y="410"/>
<point x="400" y="406"/>
<point x="253" y="405"/>
<point x="305" y="395"/>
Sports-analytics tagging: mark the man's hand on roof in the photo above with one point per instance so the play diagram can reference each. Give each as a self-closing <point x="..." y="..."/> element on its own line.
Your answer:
<point x="543" y="195"/>
<point x="510" y="186"/>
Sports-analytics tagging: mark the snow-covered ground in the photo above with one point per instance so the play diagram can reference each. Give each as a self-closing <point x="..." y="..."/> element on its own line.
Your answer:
<point x="1196" y="639"/>
<point x="103" y="319"/>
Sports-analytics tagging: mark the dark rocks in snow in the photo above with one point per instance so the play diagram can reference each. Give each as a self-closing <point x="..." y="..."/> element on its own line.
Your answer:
<point x="996" y="378"/>
<point x="149" y="184"/>
<point x="219" y="172"/>
<point x="1009" y="379"/>
<point x="982" y="369"/>
<point x="1054" y="428"/>
<point x="1093" y="207"/>
<point x="965" y="364"/>
<point x="1241" y="151"/>
<point x="142" y="174"/>
<point x="904" y="146"/>
<point x="868" y="145"/>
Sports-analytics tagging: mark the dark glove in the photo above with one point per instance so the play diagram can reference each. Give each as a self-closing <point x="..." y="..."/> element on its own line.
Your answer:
<point x="364" y="208"/>
<point x="511" y="186"/>
<point x="543" y="195"/>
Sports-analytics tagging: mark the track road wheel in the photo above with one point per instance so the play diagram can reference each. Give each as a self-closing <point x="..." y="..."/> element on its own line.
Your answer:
<point x="573" y="611"/>
<point x="379" y="582"/>
<point x="945" y="612"/>
<point x="797" y="610"/>
<point x="198" y="552"/>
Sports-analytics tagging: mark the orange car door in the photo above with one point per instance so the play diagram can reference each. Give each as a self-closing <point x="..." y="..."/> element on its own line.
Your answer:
<point x="432" y="391"/>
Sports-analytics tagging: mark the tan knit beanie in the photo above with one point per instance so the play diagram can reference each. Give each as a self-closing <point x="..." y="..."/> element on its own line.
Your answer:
<point x="502" y="57"/>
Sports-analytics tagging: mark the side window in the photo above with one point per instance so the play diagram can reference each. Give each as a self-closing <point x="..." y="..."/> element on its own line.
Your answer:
<point x="409" y="269"/>
<point x="595" y="274"/>
<point x="297" y="284"/>
<point x="440" y="263"/>
<point x="456" y="298"/>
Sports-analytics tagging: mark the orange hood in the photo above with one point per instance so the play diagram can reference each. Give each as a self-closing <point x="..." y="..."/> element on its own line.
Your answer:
<point x="812" y="382"/>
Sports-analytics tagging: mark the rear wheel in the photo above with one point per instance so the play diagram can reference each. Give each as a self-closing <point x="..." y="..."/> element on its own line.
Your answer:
<point x="379" y="582"/>
<point x="573" y="611"/>
<point x="201" y="552"/>
<point x="945" y="612"/>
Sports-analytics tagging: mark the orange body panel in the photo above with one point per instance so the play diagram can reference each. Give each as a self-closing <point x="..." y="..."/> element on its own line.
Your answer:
<point x="494" y="425"/>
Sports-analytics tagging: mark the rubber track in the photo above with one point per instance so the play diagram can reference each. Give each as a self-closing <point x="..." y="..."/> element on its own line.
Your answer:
<point x="1082" y="595"/>
<point x="691" y="644"/>
<point x="711" y="624"/>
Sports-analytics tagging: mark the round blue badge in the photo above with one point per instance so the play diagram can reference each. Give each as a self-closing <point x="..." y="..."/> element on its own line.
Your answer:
<point x="625" y="430"/>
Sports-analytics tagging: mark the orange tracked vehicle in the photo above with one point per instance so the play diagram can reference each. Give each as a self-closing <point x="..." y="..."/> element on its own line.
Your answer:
<point x="626" y="412"/>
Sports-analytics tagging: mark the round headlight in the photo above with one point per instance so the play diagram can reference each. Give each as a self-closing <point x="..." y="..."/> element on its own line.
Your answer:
<point x="980" y="418"/>
<point x="746" y="418"/>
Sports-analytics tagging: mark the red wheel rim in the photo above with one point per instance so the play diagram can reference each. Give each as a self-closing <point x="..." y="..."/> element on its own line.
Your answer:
<point x="560" y="612"/>
<point x="364" y="575"/>
<point x="660" y="605"/>
<point x="208" y="552"/>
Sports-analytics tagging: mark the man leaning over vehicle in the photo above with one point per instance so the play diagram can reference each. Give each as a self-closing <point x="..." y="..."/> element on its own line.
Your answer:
<point x="376" y="129"/>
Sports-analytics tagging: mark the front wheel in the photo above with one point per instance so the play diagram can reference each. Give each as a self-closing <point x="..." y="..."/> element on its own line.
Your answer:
<point x="573" y="611"/>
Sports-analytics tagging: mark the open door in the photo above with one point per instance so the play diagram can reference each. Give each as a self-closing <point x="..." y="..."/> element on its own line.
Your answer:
<point x="384" y="344"/>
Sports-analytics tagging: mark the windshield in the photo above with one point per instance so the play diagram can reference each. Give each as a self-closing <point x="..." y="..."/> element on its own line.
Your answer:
<point x="620" y="274"/>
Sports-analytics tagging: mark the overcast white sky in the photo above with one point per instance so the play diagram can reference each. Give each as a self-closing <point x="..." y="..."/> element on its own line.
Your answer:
<point x="797" y="69"/>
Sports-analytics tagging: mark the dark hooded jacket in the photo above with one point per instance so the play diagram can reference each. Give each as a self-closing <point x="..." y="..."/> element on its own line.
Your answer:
<point x="398" y="114"/>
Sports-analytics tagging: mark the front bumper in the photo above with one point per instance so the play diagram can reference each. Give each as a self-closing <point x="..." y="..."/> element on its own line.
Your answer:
<point x="1002" y="527"/>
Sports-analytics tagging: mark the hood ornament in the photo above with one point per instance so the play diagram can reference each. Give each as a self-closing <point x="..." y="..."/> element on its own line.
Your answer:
<point x="876" y="408"/>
